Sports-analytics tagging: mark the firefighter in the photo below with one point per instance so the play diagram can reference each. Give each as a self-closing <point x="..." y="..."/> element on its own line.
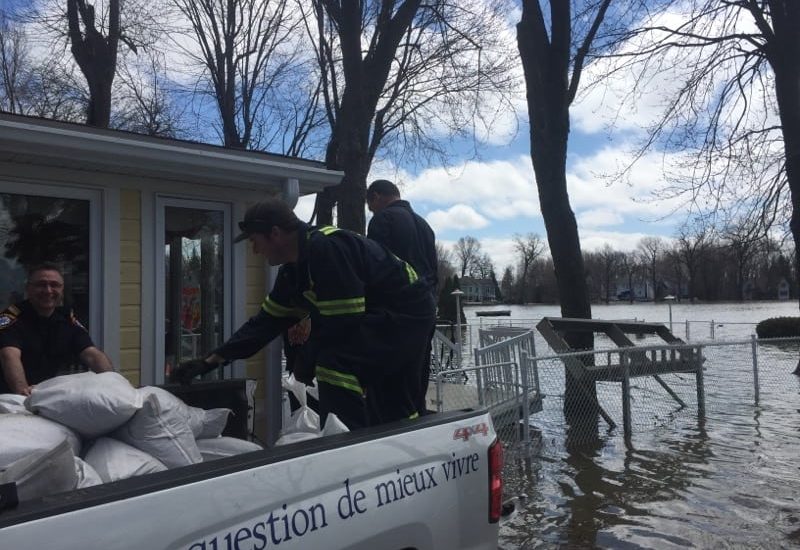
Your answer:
<point x="370" y="316"/>
<point x="396" y="226"/>
<point x="40" y="338"/>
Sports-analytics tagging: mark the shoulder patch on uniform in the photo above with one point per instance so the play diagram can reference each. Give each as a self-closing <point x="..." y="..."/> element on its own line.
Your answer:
<point x="6" y="320"/>
<point x="74" y="320"/>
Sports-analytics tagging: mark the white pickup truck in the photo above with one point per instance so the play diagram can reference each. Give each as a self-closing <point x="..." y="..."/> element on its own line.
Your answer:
<point x="429" y="484"/>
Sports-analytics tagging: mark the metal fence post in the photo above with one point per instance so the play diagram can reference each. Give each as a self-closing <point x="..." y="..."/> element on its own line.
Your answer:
<point x="439" y="404"/>
<point x="479" y="374"/>
<point x="687" y="330"/>
<point x="526" y="409"/>
<point x="626" y="395"/>
<point x="700" y="381"/>
<point x="712" y="329"/>
<point x="754" y="347"/>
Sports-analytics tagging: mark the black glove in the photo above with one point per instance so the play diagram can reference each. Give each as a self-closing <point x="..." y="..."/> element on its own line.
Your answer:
<point x="304" y="364"/>
<point x="189" y="369"/>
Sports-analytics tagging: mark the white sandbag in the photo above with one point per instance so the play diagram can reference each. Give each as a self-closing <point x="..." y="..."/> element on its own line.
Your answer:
<point x="214" y="422"/>
<point x="304" y="419"/>
<point x="162" y="433"/>
<point x="296" y="437"/>
<point x="42" y="472"/>
<point x="221" y="447"/>
<point x="334" y="426"/>
<point x="91" y="404"/>
<point x="203" y="423"/>
<point x="114" y="460"/>
<point x="24" y="434"/>
<point x="12" y="403"/>
<point x="87" y="476"/>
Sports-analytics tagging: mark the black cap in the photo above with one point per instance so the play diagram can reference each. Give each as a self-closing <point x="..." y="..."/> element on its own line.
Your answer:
<point x="263" y="216"/>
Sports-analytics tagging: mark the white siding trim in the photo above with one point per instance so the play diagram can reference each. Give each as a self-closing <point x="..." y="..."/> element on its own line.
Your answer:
<point x="147" y="355"/>
<point x="111" y="275"/>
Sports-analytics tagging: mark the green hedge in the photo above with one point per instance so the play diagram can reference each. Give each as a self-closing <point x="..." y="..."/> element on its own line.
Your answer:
<point x="778" y="327"/>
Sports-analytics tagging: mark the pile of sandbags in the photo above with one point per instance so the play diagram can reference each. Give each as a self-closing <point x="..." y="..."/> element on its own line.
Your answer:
<point x="80" y="430"/>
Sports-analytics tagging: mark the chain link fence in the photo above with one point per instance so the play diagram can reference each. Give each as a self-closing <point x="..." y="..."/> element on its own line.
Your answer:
<point x="689" y="331"/>
<point x="616" y="392"/>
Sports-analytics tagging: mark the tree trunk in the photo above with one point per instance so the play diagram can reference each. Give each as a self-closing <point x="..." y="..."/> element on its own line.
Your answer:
<point x="783" y="53"/>
<point x="99" y="108"/>
<point x="96" y="55"/>
<point x="545" y="66"/>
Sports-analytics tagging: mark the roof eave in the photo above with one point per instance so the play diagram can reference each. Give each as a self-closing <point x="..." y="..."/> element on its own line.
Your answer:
<point x="158" y="158"/>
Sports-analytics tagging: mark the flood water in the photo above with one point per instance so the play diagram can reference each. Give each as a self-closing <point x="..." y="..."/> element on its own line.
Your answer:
<point x="728" y="479"/>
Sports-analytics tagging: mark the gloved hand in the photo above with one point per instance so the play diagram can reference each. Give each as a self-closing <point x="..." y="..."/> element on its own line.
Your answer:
<point x="298" y="333"/>
<point x="305" y="364"/>
<point x="187" y="370"/>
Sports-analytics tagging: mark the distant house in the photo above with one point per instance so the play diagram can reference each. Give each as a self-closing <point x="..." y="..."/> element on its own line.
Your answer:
<point x="478" y="290"/>
<point x="783" y="290"/>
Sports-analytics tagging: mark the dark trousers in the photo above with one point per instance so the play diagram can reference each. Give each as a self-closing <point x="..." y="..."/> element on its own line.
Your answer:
<point x="425" y="375"/>
<point x="373" y="376"/>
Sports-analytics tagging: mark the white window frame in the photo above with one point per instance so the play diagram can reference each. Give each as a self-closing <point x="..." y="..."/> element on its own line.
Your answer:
<point x="101" y="234"/>
<point x="159" y="325"/>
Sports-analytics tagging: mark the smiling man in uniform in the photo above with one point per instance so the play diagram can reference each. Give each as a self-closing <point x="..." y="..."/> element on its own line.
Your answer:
<point x="39" y="338"/>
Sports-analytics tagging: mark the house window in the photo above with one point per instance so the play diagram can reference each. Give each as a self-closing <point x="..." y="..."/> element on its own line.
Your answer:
<point x="36" y="229"/>
<point x="193" y="280"/>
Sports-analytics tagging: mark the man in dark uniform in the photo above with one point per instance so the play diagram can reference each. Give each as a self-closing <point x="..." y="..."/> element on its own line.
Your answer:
<point x="396" y="226"/>
<point x="39" y="338"/>
<point x="370" y="316"/>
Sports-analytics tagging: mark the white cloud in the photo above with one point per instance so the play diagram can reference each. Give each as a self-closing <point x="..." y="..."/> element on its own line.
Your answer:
<point x="460" y="216"/>
<point x="498" y="189"/>
<point x="600" y="217"/>
<point x="595" y="240"/>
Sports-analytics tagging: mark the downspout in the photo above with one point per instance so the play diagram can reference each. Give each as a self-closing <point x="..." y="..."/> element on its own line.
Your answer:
<point x="273" y="393"/>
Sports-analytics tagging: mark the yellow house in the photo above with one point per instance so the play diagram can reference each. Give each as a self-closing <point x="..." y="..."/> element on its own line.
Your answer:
<point x="144" y="227"/>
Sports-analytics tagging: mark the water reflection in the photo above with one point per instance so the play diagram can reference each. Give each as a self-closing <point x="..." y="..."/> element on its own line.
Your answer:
<point x="727" y="482"/>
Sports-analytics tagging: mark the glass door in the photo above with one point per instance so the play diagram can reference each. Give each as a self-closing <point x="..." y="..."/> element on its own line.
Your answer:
<point x="193" y="279"/>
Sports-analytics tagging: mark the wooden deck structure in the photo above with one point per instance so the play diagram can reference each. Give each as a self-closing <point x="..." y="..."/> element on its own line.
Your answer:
<point x="676" y="357"/>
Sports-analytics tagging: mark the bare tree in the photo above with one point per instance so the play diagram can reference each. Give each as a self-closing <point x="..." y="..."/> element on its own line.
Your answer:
<point x="672" y="259"/>
<point x="554" y="48"/>
<point x="395" y="68"/>
<point x="467" y="251"/>
<point x="45" y="87"/>
<point x="743" y="242"/>
<point x="96" y="53"/>
<point x="737" y="107"/>
<point x="507" y="285"/>
<point x="14" y="66"/>
<point x="610" y="261"/>
<point x="246" y="49"/>
<point x="651" y="250"/>
<point x="692" y="242"/>
<point x="629" y="266"/>
<point x="482" y="267"/>
<point x="148" y="105"/>
<point x="444" y="267"/>
<point x="528" y="248"/>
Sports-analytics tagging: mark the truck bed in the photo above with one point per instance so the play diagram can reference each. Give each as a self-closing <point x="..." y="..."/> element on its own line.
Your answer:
<point x="412" y="484"/>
